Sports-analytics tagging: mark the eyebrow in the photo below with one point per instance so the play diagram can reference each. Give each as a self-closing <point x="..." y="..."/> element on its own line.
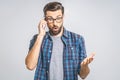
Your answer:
<point x="56" y="17"/>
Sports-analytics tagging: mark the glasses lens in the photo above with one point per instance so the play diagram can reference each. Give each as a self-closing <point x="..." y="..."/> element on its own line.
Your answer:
<point x="58" y="19"/>
<point x="51" y="20"/>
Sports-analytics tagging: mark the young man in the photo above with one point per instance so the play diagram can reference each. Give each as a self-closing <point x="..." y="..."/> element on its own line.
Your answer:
<point x="57" y="54"/>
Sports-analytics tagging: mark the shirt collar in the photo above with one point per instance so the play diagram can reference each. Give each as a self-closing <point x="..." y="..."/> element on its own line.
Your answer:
<point x="65" y="34"/>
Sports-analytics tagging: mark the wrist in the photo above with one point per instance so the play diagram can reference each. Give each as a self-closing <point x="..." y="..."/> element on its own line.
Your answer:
<point x="40" y="36"/>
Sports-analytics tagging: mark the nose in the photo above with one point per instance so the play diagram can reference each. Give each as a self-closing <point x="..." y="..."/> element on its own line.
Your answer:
<point x="54" y="22"/>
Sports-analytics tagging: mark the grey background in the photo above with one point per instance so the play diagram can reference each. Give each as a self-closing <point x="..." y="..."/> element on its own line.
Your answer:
<point x="97" y="20"/>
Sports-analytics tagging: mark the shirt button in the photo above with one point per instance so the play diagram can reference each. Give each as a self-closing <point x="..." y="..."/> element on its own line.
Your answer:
<point x="47" y="71"/>
<point x="50" y="51"/>
<point x="48" y="61"/>
<point x="72" y="48"/>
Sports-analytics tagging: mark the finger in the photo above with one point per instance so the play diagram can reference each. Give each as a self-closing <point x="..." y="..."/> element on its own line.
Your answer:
<point x="43" y="26"/>
<point x="90" y="60"/>
<point x="92" y="55"/>
<point x="86" y="61"/>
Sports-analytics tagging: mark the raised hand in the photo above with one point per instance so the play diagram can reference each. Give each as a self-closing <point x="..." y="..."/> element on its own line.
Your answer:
<point x="88" y="60"/>
<point x="41" y="27"/>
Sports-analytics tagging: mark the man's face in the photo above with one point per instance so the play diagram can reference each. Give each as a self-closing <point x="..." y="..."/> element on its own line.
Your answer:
<point x="54" y="21"/>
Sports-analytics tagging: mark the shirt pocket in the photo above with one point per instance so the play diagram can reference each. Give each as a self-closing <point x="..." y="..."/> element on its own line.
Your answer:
<point x="72" y="53"/>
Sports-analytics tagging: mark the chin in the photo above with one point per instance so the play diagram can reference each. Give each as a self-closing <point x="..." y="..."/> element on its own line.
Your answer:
<point x="55" y="33"/>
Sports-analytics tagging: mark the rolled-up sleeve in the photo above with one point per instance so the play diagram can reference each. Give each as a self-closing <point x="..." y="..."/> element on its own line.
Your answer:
<point x="32" y="41"/>
<point x="82" y="51"/>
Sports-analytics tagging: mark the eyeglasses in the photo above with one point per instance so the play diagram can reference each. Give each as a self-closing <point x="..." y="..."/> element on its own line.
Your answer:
<point x="51" y="20"/>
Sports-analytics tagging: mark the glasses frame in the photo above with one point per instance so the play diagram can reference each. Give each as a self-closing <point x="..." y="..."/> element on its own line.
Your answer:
<point x="51" y="20"/>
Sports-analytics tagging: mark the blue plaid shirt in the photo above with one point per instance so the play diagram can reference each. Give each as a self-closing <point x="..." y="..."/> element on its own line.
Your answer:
<point x="73" y="53"/>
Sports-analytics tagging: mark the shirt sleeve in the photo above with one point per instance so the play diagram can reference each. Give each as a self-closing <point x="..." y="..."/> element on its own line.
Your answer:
<point x="82" y="51"/>
<point x="32" y="41"/>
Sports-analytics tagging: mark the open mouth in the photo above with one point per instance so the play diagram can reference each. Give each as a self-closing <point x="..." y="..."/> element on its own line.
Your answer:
<point x="55" y="28"/>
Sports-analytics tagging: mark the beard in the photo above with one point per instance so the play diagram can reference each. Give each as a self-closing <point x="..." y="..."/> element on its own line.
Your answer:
<point x="55" y="30"/>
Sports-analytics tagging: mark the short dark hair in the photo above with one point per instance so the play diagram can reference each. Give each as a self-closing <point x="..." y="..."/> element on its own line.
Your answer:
<point x="53" y="6"/>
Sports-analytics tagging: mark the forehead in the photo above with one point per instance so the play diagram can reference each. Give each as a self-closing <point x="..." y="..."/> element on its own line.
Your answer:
<point x="54" y="14"/>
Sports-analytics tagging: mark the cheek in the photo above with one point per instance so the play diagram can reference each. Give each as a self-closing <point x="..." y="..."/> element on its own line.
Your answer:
<point x="49" y="25"/>
<point x="61" y="25"/>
